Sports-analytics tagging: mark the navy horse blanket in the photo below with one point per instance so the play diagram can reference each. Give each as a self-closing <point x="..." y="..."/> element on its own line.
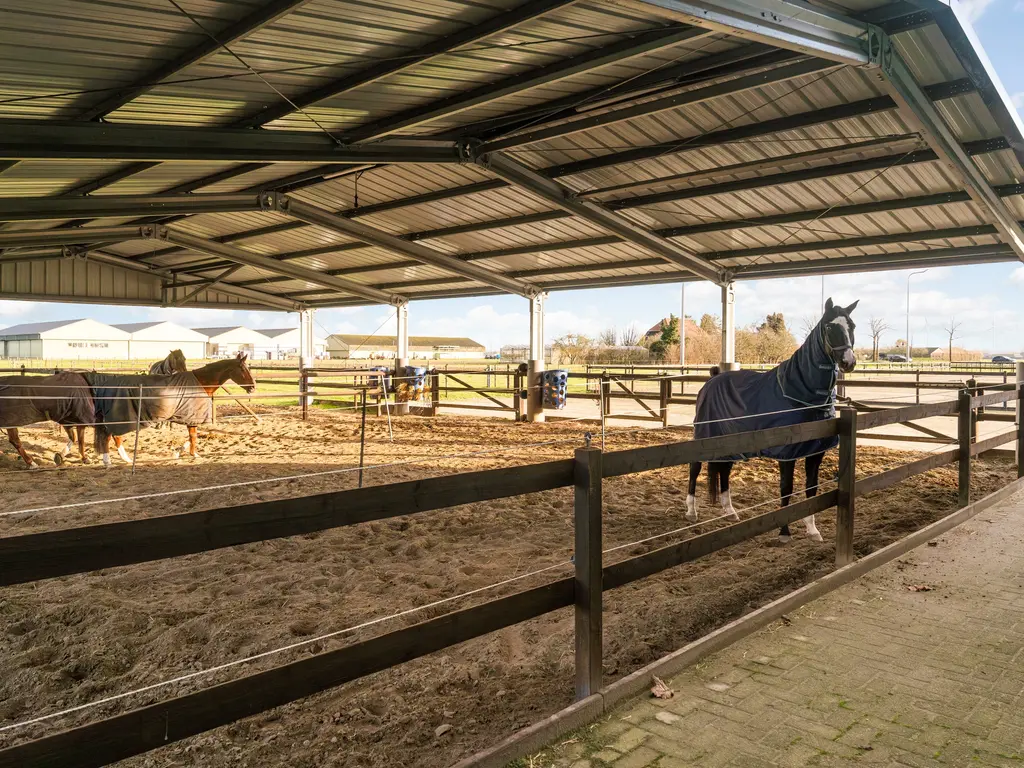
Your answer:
<point x="798" y="390"/>
<point x="177" y="398"/>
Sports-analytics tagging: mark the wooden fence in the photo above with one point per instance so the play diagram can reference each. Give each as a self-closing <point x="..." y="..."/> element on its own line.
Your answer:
<point x="32" y="557"/>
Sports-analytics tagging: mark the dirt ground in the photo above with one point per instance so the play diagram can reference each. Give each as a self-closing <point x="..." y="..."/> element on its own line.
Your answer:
<point x="69" y="641"/>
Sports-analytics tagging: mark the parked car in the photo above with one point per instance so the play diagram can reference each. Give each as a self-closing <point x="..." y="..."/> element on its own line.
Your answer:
<point x="1002" y="359"/>
<point x="897" y="359"/>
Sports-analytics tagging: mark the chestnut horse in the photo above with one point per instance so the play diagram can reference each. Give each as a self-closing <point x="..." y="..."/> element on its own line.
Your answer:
<point x="184" y="398"/>
<point x="64" y="398"/>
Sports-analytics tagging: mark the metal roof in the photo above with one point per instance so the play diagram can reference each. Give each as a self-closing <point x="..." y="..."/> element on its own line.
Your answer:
<point x="29" y="329"/>
<point x="290" y="153"/>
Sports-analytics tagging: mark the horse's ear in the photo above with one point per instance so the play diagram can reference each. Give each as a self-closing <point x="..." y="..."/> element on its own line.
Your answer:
<point x="852" y="307"/>
<point x="829" y="306"/>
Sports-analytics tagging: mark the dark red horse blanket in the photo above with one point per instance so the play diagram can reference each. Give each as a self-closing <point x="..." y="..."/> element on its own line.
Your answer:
<point x="65" y="398"/>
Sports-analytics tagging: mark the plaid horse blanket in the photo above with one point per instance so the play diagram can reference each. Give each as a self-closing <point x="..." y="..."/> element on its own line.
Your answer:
<point x="178" y="398"/>
<point x="799" y="389"/>
<point x="64" y="398"/>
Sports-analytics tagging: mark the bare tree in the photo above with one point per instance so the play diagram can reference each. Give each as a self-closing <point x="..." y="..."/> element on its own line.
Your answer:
<point x="629" y="336"/>
<point x="878" y="327"/>
<point x="608" y="337"/>
<point x="807" y="324"/>
<point x="951" y="329"/>
<point x="573" y="348"/>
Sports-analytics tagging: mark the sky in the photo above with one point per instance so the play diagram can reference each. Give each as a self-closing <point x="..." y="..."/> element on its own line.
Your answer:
<point x="987" y="301"/>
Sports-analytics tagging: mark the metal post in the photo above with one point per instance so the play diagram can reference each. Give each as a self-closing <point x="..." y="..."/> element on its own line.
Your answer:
<point x="665" y="394"/>
<point x="729" y="328"/>
<point x="306" y="359"/>
<point x="535" y="365"/>
<point x="387" y="412"/>
<point x="304" y="391"/>
<point x="602" y="395"/>
<point x="917" y="387"/>
<point x="588" y="560"/>
<point x="401" y="360"/>
<point x="972" y="388"/>
<point x="964" y="438"/>
<point x="1020" y="419"/>
<point x="435" y="392"/>
<point x="138" y="427"/>
<point x="682" y="325"/>
<point x="362" y="440"/>
<point x="847" y="485"/>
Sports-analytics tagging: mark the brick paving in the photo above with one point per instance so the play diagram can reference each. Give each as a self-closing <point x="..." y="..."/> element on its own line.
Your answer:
<point x="872" y="674"/>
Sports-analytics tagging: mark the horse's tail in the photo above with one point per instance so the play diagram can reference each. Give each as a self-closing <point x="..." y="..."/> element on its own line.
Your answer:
<point x="715" y="370"/>
<point x="100" y="439"/>
<point x="713" y="482"/>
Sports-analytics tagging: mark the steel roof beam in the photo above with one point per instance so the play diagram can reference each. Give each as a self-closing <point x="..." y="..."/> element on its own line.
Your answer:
<point x="49" y="139"/>
<point x="653" y="107"/>
<point x="790" y="24"/>
<point x="525" y="178"/>
<point x="915" y="104"/>
<point x="261" y="17"/>
<point x="40" y="208"/>
<point x="323" y="218"/>
<point x="615" y="53"/>
<point x="418" y="55"/>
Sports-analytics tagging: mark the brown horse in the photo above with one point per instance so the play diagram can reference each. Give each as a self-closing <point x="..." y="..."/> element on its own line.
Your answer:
<point x="64" y="398"/>
<point x="124" y="402"/>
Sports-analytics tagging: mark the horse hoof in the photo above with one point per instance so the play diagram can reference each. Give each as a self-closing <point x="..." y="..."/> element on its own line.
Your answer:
<point x="815" y="537"/>
<point x="784" y="539"/>
<point x="734" y="517"/>
<point x="58" y="459"/>
<point x="85" y="460"/>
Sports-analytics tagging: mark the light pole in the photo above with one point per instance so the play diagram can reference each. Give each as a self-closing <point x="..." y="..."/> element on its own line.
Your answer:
<point x="910" y="353"/>
<point x="682" y="328"/>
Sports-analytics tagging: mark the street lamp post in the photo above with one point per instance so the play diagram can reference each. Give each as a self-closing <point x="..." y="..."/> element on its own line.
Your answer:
<point x="910" y="353"/>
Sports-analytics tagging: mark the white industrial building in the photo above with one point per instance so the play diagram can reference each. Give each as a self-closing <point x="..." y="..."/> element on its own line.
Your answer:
<point x="285" y="342"/>
<point x="228" y="341"/>
<point x="64" y="340"/>
<point x="155" y="340"/>
<point x="351" y="346"/>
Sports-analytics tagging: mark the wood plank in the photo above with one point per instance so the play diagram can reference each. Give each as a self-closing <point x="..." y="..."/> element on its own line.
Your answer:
<point x="845" y="500"/>
<point x="706" y="449"/>
<point x="1008" y="418"/>
<point x="927" y="431"/>
<point x="76" y="550"/>
<point x="965" y="431"/>
<point x="470" y="406"/>
<point x="992" y="442"/>
<point x="908" y="438"/>
<point x="632" y="417"/>
<point x="633" y="396"/>
<point x="147" y="728"/>
<point x="910" y="413"/>
<point x="993" y="398"/>
<point x="902" y="472"/>
<point x="662" y="559"/>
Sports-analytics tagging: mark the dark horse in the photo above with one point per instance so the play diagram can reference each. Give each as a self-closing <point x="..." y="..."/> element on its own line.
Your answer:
<point x="64" y="398"/>
<point x="800" y="389"/>
<point x="183" y="398"/>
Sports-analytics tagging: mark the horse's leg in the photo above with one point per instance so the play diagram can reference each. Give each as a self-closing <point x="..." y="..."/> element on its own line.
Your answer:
<point x="193" y="448"/>
<point x="101" y="442"/>
<point x="812" y="464"/>
<point x="81" y="444"/>
<point x="691" y="493"/>
<point x="12" y="436"/>
<point x="786" y="472"/>
<point x="119" y="444"/>
<point x="70" y="444"/>
<point x="723" y="469"/>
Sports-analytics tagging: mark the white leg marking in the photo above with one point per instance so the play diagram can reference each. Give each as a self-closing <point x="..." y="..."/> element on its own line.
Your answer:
<point x="105" y="458"/>
<point x="727" y="507"/>
<point x="691" y="508"/>
<point x="812" y="529"/>
<point x="68" y="447"/>
<point x="124" y="454"/>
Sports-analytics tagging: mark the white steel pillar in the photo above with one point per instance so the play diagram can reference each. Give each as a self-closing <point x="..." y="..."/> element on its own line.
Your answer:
<point x="401" y="355"/>
<point x="1020" y="418"/>
<point x="682" y="327"/>
<point x="729" y="328"/>
<point x="307" y="357"/>
<point x="535" y="365"/>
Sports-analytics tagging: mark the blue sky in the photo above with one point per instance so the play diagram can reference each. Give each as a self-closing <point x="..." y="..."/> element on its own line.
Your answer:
<point x="987" y="300"/>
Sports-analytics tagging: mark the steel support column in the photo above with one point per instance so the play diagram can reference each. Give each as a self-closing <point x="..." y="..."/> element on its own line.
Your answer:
<point x="307" y="356"/>
<point x="532" y="181"/>
<point x="401" y="355"/>
<point x="535" y="365"/>
<point x="729" y="328"/>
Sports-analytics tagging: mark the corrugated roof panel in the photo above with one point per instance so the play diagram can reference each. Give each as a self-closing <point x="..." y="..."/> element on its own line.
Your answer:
<point x="42" y="178"/>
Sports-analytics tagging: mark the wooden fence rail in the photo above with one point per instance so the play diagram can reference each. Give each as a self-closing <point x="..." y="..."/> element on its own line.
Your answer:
<point x="45" y="555"/>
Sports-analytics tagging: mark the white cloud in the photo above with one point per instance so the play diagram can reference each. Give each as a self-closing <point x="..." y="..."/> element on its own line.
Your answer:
<point x="15" y="308"/>
<point x="975" y="9"/>
<point x="1017" y="276"/>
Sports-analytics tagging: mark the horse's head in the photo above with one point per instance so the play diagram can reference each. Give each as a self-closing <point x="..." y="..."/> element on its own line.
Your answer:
<point x="837" y="329"/>
<point x="240" y="373"/>
<point x="177" y="361"/>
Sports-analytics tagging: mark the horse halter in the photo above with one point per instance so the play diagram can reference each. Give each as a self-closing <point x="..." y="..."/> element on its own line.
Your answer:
<point x="829" y="347"/>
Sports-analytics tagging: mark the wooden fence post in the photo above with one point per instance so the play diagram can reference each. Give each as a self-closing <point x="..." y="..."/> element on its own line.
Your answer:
<point x="435" y="392"/>
<point x="606" y="393"/>
<point x="964" y="431"/>
<point x="917" y="388"/>
<point x="589" y="563"/>
<point x="972" y="388"/>
<point x="1020" y="419"/>
<point x="847" y="481"/>
<point x="304" y="388"/>
<point x="666" y="393"/>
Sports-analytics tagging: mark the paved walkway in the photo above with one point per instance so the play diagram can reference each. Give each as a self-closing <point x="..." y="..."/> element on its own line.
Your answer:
<point x="872" y="674"/>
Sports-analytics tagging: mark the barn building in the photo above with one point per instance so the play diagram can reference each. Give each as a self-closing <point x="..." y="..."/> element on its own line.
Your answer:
<point x="153" y="341"/>
<point x="345" y="346"/>
<point x="65" y="340"/>
<point x="285" y="342"/>
<point x="228" y="341"/>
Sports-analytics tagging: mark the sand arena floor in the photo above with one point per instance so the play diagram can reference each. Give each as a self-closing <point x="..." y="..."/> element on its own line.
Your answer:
<point x="73" y="640"/>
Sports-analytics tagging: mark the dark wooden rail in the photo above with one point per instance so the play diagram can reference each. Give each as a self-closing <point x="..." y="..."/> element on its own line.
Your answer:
<point x="46" y="555"/>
